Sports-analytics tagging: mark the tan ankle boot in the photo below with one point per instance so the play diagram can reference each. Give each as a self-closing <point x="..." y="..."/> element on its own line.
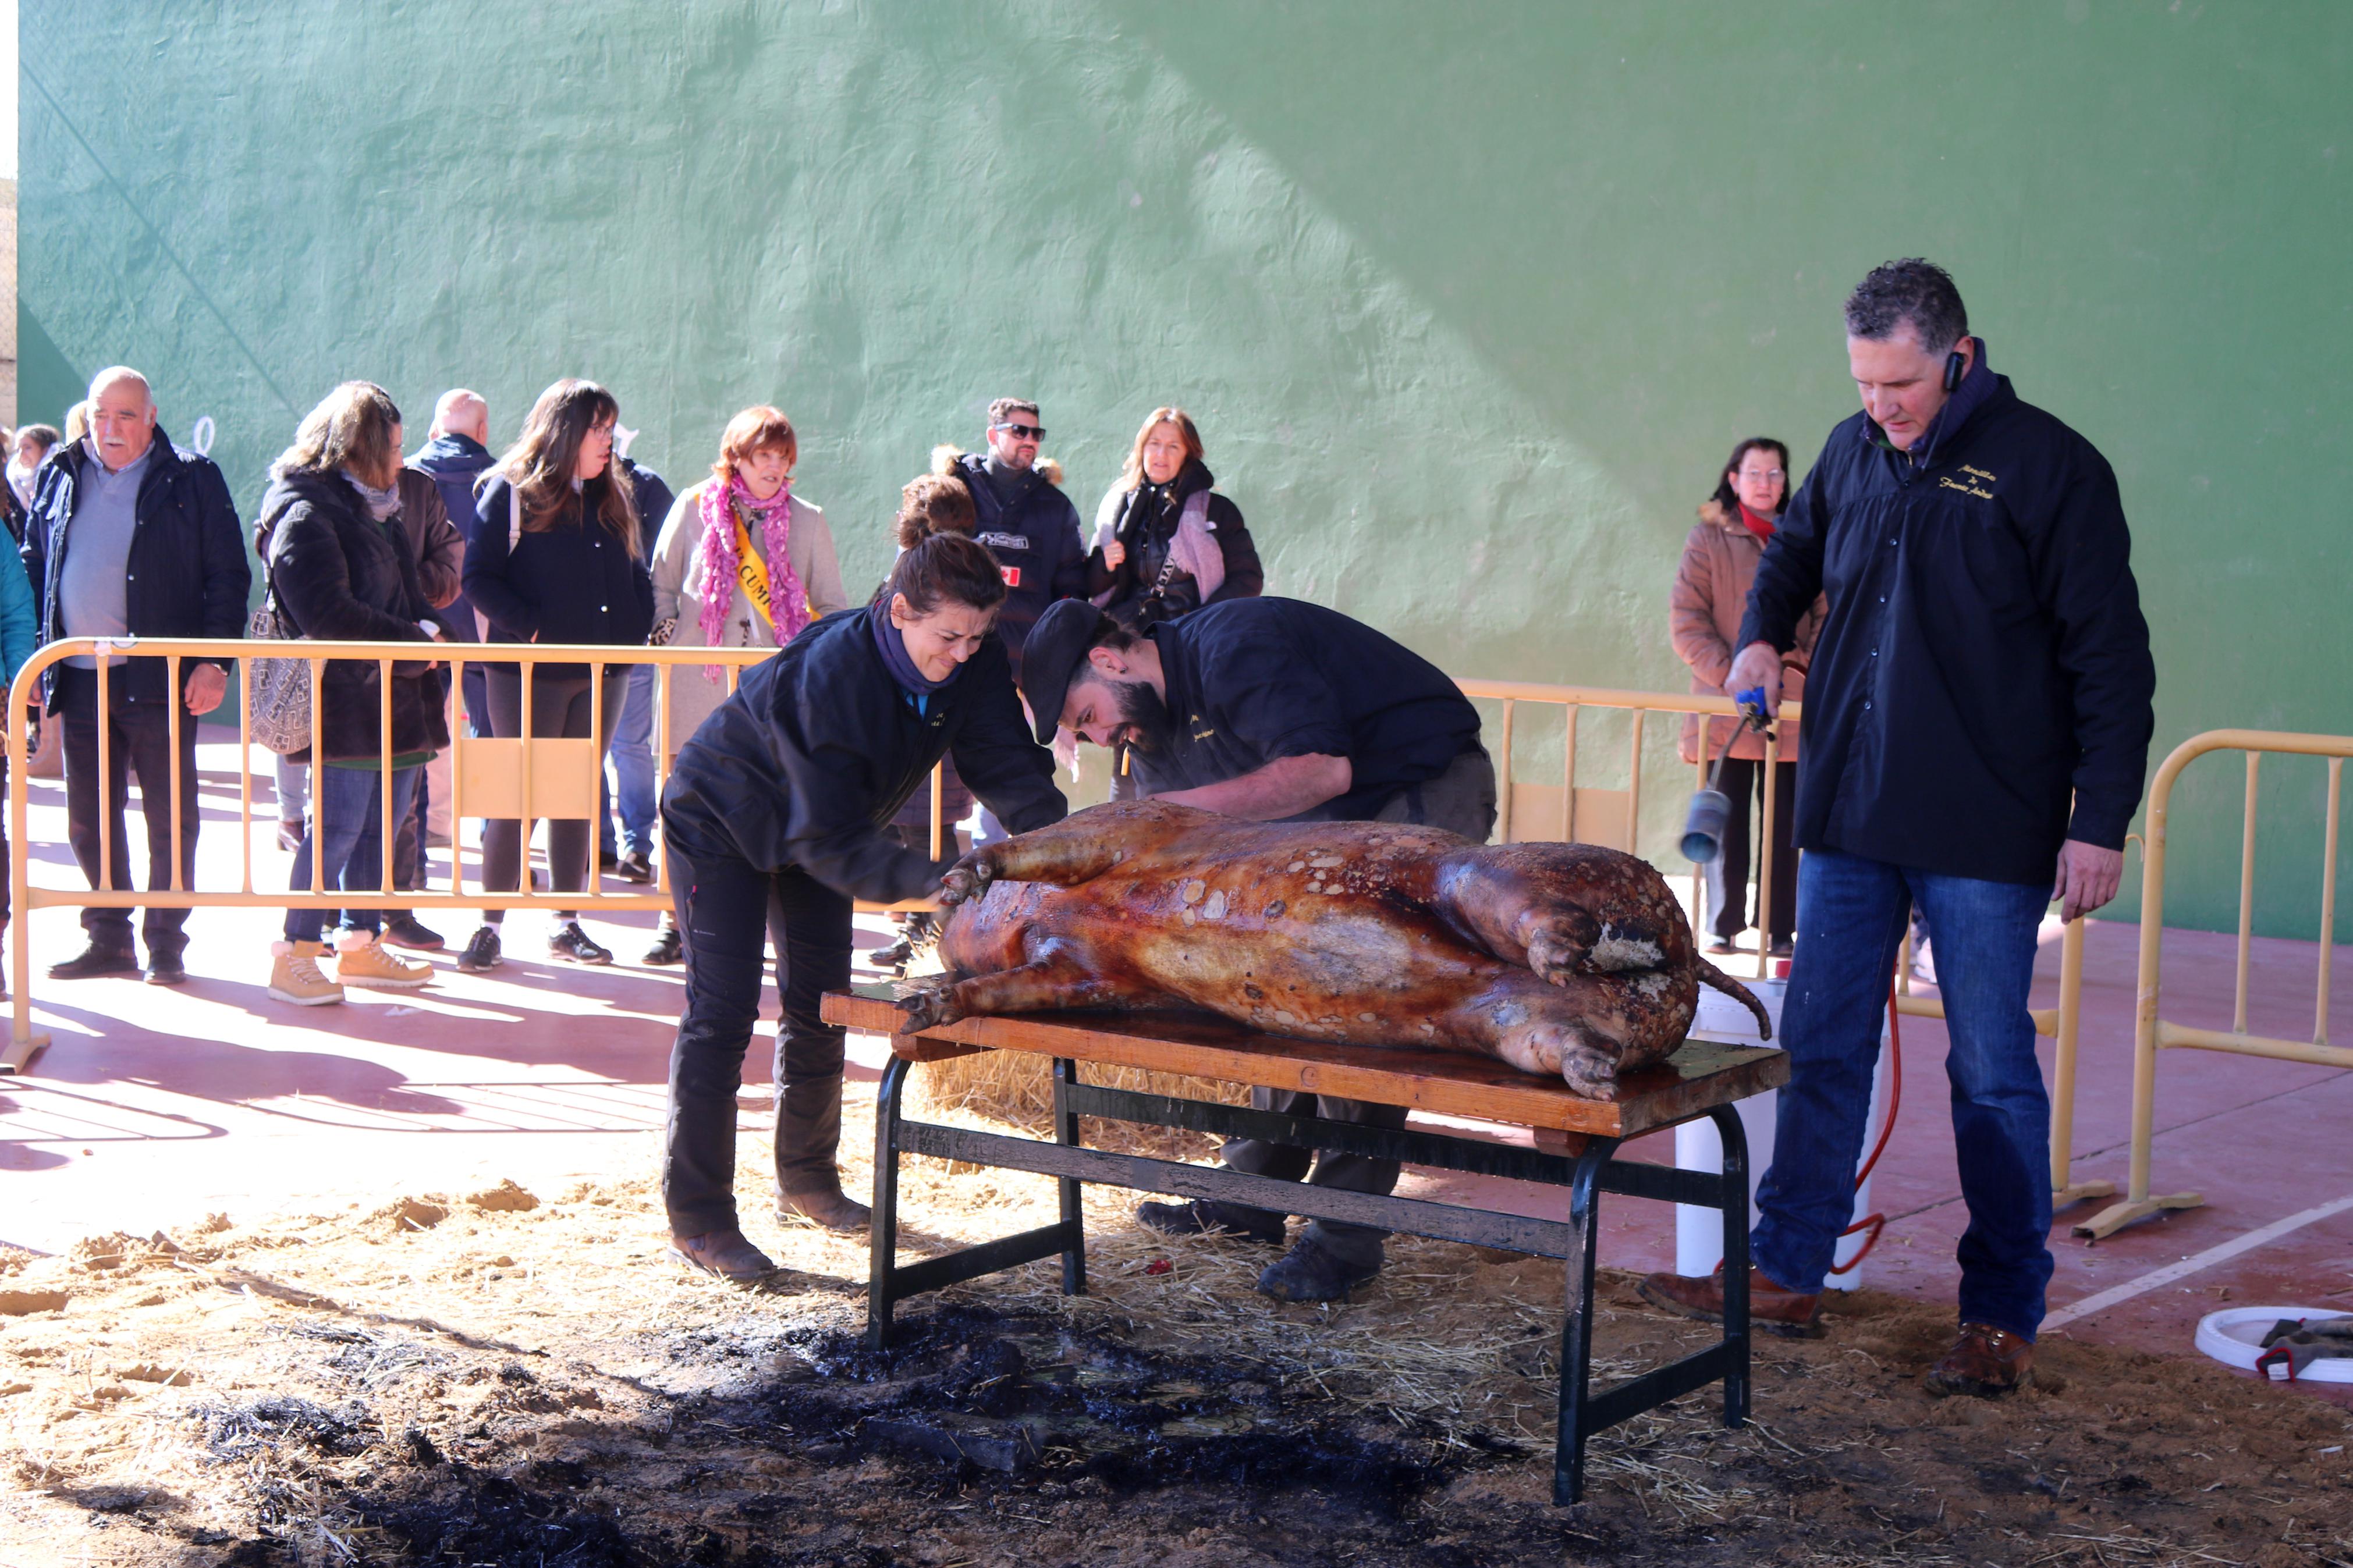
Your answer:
<point x="295" y="975"/>
<point x="361" y="960"/>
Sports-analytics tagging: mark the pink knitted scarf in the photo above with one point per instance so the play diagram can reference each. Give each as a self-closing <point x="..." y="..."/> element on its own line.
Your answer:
<point x="772" y="519"/>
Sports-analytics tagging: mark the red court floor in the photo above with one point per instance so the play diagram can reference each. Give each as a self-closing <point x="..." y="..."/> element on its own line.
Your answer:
<point x="154" y="1107"/>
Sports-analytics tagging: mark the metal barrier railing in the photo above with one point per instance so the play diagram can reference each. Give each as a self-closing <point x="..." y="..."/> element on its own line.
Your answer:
<point x="540" y="778"/>
<point x="557" y="778"/>
<point x="1604" y="809"/>
<point x="2061" y="1023"/>
<point x="2151" y="1033"/>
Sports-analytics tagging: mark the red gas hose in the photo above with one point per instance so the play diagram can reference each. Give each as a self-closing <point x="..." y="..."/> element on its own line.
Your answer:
<point x="1875" y="1223"/>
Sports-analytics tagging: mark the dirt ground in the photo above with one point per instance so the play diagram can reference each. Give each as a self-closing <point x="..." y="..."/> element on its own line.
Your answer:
<point x="513" y="1378"/>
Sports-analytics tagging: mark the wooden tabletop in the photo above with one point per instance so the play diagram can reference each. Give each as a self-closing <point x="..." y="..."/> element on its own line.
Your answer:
<point x="1453" y="1083"/>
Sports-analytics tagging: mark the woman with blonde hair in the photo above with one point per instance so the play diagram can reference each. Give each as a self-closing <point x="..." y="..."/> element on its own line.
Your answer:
<point x="1164" y="541"/>
<point x="555" y="557"/>
<point x="742" y="561"/>
<point x="341" y="568"/>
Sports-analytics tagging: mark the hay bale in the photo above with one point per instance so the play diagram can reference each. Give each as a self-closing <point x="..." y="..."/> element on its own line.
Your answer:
<point x="1016" y="1089"/>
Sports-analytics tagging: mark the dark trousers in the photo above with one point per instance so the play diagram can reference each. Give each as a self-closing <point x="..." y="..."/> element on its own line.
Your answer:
<point x="1460" y="800"/>
<point x="139" y="740"/>
<point x="727" y="909"/>
<point x="1728" y="874"/>
<point x="559" y="708"/>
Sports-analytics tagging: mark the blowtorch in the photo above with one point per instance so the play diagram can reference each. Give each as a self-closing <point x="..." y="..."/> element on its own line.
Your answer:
<point x="1710" y="808"/>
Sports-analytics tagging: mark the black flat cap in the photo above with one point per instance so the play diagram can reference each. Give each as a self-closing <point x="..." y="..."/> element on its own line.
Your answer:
<point x="1057" y="645"/>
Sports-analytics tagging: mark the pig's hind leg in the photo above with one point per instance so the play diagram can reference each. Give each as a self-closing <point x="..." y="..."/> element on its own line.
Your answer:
<point x="1076" y="850"/>
<point x="1055" y="982"/>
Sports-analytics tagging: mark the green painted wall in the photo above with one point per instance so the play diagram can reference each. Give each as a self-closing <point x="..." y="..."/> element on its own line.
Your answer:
<point x="1468" y="300"/>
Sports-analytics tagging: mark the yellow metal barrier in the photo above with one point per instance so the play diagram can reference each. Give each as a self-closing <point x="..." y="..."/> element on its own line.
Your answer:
<point x="2152" y="1033"/>
<point x="543" y="777"/>
<point x="1607" y="816"/>
<point x="1612" y="817"/>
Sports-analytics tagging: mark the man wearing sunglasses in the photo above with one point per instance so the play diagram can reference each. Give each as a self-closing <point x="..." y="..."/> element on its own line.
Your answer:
<point x="1028" y="523"/>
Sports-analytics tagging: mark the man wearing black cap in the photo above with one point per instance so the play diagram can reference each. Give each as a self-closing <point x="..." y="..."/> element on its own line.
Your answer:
<point x="1275" y="711"/>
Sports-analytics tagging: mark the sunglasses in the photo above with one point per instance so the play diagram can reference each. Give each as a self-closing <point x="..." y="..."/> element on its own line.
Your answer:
<point x="1024" y="432"/>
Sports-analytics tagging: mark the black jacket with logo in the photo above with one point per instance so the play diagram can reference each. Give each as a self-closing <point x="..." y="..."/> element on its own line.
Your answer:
<point x="1983" y="659"/>
<point x="1034" y="534"/>
<point x="188" y="572"/>
<point x="820" y="746"/>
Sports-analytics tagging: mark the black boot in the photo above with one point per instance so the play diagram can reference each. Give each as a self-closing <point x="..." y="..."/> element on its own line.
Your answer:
<point x="808" y="1138"/>
<point x="1311" y="1271"/>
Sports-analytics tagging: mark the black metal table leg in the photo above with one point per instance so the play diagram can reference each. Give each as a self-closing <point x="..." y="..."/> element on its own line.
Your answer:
<point x="1735" y="1139"/>
<point x="1066" y="1132"/>
<point x="1576" y="1324"/>
<point x="884" y="1235"/>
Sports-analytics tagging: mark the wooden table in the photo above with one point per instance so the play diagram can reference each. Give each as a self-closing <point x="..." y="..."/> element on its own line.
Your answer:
<point x="1700" y="1080"/>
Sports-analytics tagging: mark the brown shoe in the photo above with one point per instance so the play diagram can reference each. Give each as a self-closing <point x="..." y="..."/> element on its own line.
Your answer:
<point x="724" y="1255"/>
<point x="1986" y="1362"/>
<point x="827" y="1206"/>
<point x="1771" y="1309"/>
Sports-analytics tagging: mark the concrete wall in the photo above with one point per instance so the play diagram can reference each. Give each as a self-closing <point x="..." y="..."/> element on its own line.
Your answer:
<point x="1470" y="301"/>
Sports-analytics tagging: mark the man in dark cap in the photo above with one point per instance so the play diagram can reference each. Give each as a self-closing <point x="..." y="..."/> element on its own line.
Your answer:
<point x="1275" y="711"/>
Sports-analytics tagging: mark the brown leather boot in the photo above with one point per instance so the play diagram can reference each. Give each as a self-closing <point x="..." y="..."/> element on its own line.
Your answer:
<point x="827" y="1206"/>
<point x="1771" y="1309"/>
<point x="1986" y="1362"/>
<point x="808" y="1136"/>
<point x="724" y="1255"/>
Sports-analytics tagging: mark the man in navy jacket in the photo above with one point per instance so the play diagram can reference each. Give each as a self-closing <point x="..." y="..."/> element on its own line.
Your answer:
<point x="1977" y="718"/>
<point x="130" y="536"/>
<point x="455" y="455"/>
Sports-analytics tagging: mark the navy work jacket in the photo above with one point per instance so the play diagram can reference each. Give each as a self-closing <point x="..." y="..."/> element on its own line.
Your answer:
<point x="1035" y="538"/>
<point x="820" y="745"/>
<point x="1251" y="681"/>
<point x="1981" y="689"/>
<point x="188" y="574"/>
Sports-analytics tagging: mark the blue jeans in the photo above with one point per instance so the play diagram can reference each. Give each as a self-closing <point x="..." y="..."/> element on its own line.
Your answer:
<point x="1851" y="918"/>
<point x="347" y="819"/>
<point x="632" y="749"/>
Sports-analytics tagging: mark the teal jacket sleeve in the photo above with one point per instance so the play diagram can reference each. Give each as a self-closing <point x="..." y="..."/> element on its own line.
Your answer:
<point x="17" y="637"/>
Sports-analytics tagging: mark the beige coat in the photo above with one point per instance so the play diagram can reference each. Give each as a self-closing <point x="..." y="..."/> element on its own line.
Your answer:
<point x="1710" y="594"/>
<point x="678" y="570"/>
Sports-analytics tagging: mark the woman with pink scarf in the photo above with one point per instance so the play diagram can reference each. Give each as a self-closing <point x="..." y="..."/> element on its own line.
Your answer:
<point x="742" y="561"/>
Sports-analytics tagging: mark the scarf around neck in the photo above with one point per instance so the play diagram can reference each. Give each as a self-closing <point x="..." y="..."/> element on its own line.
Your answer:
<point x="918" y="686"/>
<point x="1757" y="524"/>
<point x="770" y="521"/>
<point x="381" y="503"/>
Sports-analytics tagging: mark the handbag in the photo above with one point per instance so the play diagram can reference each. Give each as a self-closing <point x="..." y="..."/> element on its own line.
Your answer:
<point x="277" y="691"/>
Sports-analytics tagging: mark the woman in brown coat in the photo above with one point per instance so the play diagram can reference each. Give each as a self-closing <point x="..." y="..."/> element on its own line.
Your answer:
<point x="1710" y="592"/>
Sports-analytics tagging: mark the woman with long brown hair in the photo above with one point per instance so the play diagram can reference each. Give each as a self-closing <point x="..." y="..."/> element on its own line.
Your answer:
<point x="555" y="557"/>
<point x="340" y="567"/>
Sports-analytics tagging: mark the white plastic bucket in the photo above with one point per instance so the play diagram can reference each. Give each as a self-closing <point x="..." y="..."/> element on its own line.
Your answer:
<point x="2234" y="1337"/>
<point x="1699" y="1233"/>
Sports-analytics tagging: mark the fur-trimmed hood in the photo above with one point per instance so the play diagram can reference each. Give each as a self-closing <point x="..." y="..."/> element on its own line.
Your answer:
<point x="945" y="454"/>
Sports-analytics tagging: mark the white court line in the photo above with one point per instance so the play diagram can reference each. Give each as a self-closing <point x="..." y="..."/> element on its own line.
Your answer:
<point x="2193" y="1263"/>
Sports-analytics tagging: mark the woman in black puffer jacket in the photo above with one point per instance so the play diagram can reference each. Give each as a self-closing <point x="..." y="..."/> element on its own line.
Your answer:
<point x="1165" y="544"/>
<point x="341" y="568"/>
<point x="556" y="557"/>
